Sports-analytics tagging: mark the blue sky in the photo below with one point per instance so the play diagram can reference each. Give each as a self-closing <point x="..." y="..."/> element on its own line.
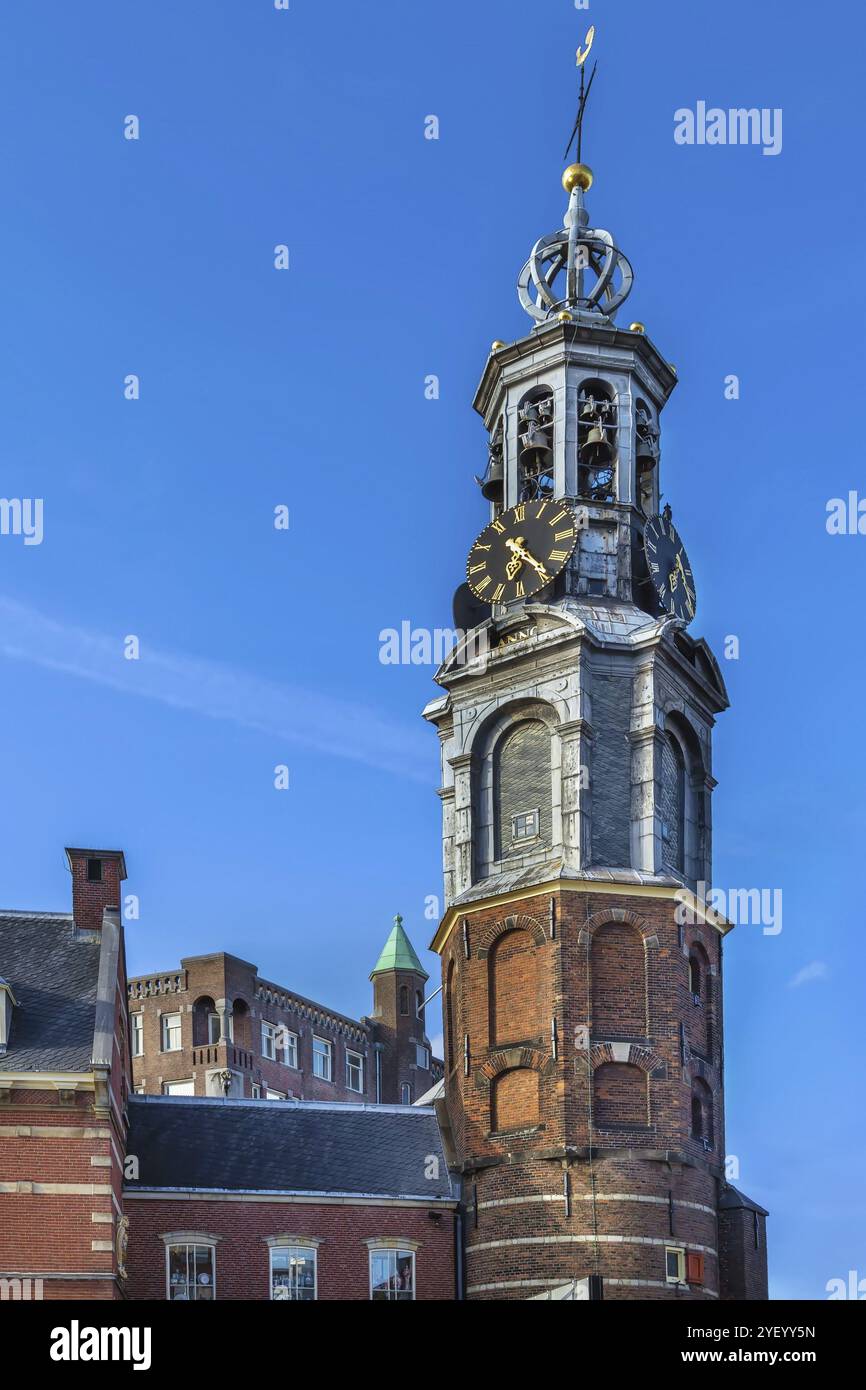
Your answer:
<point x="306" y="388"/>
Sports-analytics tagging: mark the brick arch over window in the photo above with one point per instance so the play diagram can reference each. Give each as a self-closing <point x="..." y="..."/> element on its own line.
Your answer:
<point x="513" y="982"/>
<point x="699" y="1003"/>
<point x="619" y="989"/>
<point x="620" y="1096"/>
<point x="514" y="1099"/>
<point x="702" y="1113"/>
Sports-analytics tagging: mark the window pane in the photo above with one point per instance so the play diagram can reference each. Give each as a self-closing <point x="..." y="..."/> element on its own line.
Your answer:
<point x="293" y="1274"/>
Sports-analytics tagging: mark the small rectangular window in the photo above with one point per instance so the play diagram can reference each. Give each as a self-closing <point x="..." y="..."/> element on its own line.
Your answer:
<point x="323" y="1059"/>
<point x="255" y="1091"/>
<point x="392" y="1275"/>
<point x="213" y="1029"/>
<point x="290" y="1049"/>
<point x="171" y="1037"/>
<point x="94" y="871"/>
<point x="526" y="825"/>
<point x="354" y="1071"/>
<point x="293" y="1273"/>
<point x="191" y="1273"/>
<point x="178" y="1088"/>
<point x="137" y="1026"/>
<point x="422" y="1057"/>
<point x="675" y="1265"/>
<point x="405" y="1094"/>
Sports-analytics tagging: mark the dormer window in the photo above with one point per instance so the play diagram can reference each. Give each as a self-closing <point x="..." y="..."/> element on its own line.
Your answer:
<point x="7" y="1004"/>
<point x="94" y="871"/>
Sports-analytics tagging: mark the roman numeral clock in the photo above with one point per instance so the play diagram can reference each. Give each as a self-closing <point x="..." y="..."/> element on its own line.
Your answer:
<point x="522" y="551"/>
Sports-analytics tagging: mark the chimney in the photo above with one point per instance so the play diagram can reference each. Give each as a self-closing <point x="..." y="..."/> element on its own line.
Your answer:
<point x="96" y="878"/>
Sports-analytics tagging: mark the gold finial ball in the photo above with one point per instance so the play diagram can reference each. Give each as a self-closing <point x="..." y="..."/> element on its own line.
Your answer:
<point x="497" y="346"/>
<point x="637" y="328"/>
<point x="564" y="316"/>
<point x="577" y="176"/>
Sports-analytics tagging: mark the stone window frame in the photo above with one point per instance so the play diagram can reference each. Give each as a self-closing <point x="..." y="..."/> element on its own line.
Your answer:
<point x="293" y="1242"/>
<point x="485" y="742"/>
<point x="376" y="1245"/>
<point x="329" y="1053"/>
<point x="677" y="727"/>
<point x="173" y="1239"/>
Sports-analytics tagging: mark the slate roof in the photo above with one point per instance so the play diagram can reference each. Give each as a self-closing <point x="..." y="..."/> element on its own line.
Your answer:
<point x="732" y="1199"/>
<point x="286" y="1146"/>
<point x="53" y="977"/>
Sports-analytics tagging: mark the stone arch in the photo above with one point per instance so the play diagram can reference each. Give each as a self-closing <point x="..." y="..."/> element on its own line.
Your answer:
<point x="487" y="737"/>
<point x="699" y="999"/>
<point x="682" y="742"/>
<point x="517" y="922"/>
<point x="619" y="914"/>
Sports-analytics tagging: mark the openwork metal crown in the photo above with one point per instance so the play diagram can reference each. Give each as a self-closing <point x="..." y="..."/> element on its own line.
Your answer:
<point x="577" y="270"/>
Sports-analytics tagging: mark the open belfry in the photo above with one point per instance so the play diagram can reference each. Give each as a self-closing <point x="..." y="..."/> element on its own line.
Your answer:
<point x="581" y="969"/>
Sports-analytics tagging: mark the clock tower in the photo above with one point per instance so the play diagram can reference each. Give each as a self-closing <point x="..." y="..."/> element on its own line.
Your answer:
<point x="581" y="966"/>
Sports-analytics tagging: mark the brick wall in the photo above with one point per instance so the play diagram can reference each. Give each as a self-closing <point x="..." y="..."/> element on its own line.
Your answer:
<point x="243" y="1228"/>
<point x="605" y="1173"/>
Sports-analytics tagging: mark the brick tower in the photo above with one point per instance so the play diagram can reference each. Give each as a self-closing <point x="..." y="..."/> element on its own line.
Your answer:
<point x="581" y="968"/>
<point x="405" y="1067"/>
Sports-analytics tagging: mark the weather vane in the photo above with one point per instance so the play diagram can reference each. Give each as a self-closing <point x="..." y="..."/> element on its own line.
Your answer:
<point x="582" y="54"/>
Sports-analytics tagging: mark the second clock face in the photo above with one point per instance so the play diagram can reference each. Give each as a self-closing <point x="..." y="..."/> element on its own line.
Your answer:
<point x="669" y="567"/>
<point x="521" y="551"/>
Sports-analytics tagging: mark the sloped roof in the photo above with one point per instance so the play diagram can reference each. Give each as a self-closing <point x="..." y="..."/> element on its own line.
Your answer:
<point x="53" y="976"/>
<point x="398" y="953"/>
<point x="286" y="1146"/>
<point x="732" y="1199"/>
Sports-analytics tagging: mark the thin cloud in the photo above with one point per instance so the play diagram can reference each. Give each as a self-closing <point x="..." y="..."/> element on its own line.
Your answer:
<point x="289" y="713"/>
<point x="817" y="970"/>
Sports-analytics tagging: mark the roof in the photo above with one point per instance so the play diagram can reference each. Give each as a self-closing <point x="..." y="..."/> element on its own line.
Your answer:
<point x="398" y="953"/>
<point x="732" y="1199"/>
<point x="53" y="976"/>
<point x="307" y="1147"/>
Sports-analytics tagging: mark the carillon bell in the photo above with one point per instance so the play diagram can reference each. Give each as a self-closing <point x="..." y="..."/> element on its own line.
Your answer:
<point x="596" y="451"/>
<point x="646" y="455"/>
<point x="494" y="481"/>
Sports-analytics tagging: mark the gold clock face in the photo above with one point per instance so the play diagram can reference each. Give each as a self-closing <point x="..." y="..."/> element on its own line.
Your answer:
<point x="522" y="551"/>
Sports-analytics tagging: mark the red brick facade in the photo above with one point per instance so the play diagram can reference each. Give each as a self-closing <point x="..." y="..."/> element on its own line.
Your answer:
<point x="242" y="1230"/>
<point x="575" y="1046"/>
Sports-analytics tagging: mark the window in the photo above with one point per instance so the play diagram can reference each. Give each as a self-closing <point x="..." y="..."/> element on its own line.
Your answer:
<point x="354" y="1071"/>
<point x="139" y="1090"/>
<point x="323" y="1059"/>
<point x="269" y="1041"/>
<point x="255" y="1090"/>
<point x="392" y="1274"/>
<point x="525" y="825"/>
<point x="190" y="1272"/>
<point x="695" y="978"/>
<point x="422" y="1056"/>
<point x="675" y="1265"/>
<point x="178" y="1088"/>
<point x="136" y="1022"/>
<point x="293" y="1273"/>
<point x="94" y="871"/>
<point x="171" y="1033"/>
<point x="404" y="1001"/>
<point x="405" y="1094"/>
<point x="419" y="1005"/>
<point x="275" y="1095"/>
<point x="290" y="1049"/>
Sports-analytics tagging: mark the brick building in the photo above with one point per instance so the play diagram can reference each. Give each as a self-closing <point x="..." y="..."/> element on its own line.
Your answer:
<point x="106" y="1194"/>
<point x="215" y="1027"/>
